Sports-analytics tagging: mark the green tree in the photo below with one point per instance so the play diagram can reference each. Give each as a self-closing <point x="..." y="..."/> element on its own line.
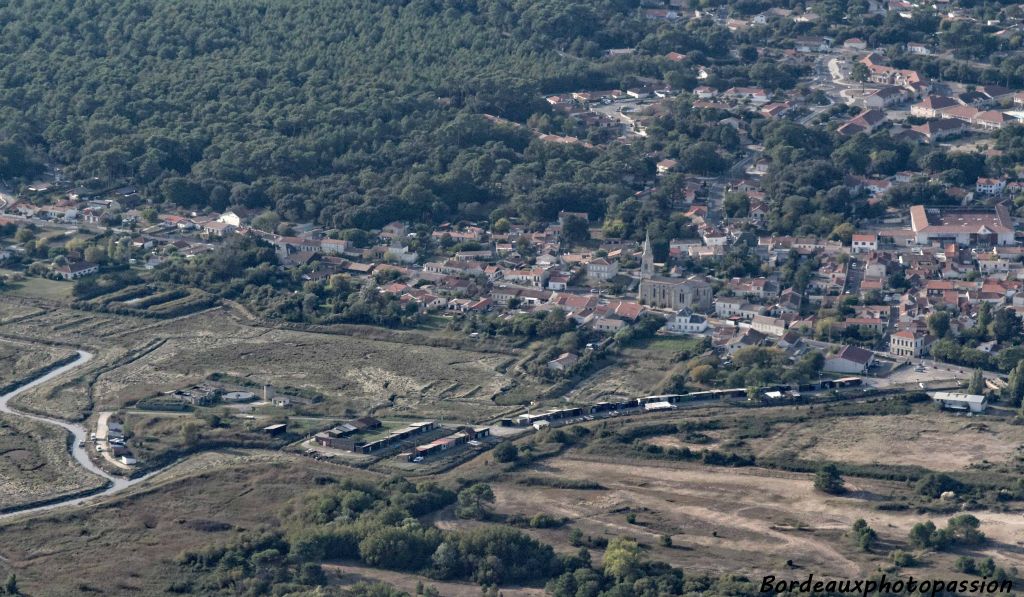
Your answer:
<point x="860" y="73"/>
<point x="828" y="480"/>
<point x="966" y="564"/>
<point x="977" y="383"/>
<point x="938" y="324"/>
<point x="1013" y="393"/>
<point x="23" y="235"/>
<point x="863" y="534"/>
<point x="622" y="558"/>
<point x="575" y="229"/>
<point x="474" y="501"/>
<point x="1006" y="326"/>
<point x="984" y="316"/>
<point x="11" y="585"/>
<point x="921" y="534"/>
<point x="506" y="451"/>
<point x="964" y="529"/>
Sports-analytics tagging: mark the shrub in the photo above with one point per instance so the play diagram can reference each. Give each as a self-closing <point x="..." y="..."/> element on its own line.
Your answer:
<point x="827" y="479"/>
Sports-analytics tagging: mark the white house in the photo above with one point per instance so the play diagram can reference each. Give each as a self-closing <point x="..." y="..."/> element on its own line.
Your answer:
<point x="771" y="326"/>
<point x="72" y="271"/>
<point x="686" y="322"/>
<point x="231" y="218"/>
<point x="864" y="243"/>
<point x="906" y="343"/>
<point x="990" y="186"/>
<point x="602" y="269"/>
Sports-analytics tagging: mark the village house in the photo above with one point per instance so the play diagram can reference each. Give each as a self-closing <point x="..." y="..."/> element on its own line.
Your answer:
<point x="906" y="343"/>
<point x="564" y="362"/>
<point x="990" y="186"/>
<point x="864" y="243"/>
<point x="75" y="270"/>
<point x="602" y="270"/>
<point x="771" y="326"/>
<point x="970" y="403"/>
<point x="686" y="322"/>
<point x="849" y="360"/>
<point x="932" y="106"/>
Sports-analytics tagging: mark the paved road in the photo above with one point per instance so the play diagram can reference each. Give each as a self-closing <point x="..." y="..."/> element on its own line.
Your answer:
<point x="79" y="433"/>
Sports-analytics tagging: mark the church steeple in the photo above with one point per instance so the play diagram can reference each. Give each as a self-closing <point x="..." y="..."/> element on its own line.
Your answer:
<point x="647" y="259"/>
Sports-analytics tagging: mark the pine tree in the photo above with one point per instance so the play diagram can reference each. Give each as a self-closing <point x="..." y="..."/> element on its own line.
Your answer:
<point x="1014" y="390"/>
<point x="977" y="383"/>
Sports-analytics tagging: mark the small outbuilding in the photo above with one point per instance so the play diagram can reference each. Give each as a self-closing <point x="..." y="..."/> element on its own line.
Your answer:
<point x="974" y="403"/>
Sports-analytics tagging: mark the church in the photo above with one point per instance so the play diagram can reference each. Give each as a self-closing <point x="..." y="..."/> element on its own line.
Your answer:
<point x="671" y="293"/>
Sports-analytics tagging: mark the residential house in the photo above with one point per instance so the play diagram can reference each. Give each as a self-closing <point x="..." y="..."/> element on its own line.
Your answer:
<point x="907" y="343"/>
<point x="849" y="360"/>
<point x="865" y="122"/>
<point x="932" y="106"/>
<point x="771" y="326"/>
<point x="990" y="186"/>
<point x="885" y="97"/>
<point x="936" y="130"/>
<point x="687" y="322"/>
<point x="864" y="243"/>
<point x="601" y="269"/>
<point x="75" y="270"/>
<point x="564" y="362"/>
<point x="752" y="94"/>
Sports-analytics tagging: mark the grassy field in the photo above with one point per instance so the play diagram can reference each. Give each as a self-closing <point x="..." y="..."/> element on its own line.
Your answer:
<point x="35" y="464"/>
<point x="36" y="288"/>
<point x="737" y="521"/>
<point x="914" y="439"/>
<point x="156" y="439"/>
<point x="18" y="360"/>
<point x="354" y="374"/>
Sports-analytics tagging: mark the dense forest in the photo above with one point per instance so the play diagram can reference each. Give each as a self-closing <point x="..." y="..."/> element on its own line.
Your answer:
<point x="352" y="113"/>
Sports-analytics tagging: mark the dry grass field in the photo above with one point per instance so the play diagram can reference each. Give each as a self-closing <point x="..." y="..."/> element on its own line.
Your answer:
<point x="353" y="373"/>
<point x="938" y="441"/>
<point x="127" y="545"/>
<point x="18" y="359"/>
<point x="745" y="521"/>
<point x="35" y="464"/>
<point x="396" y="376"/>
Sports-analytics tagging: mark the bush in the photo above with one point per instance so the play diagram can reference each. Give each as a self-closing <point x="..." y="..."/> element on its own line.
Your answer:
<point x="863" y="534"/>
<point x="902" y="559"/>
<point x="935" y="484"/>
<point x="966" y="565"/>
<point x="827" y="479"/>
<point x="506" y="452"/>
